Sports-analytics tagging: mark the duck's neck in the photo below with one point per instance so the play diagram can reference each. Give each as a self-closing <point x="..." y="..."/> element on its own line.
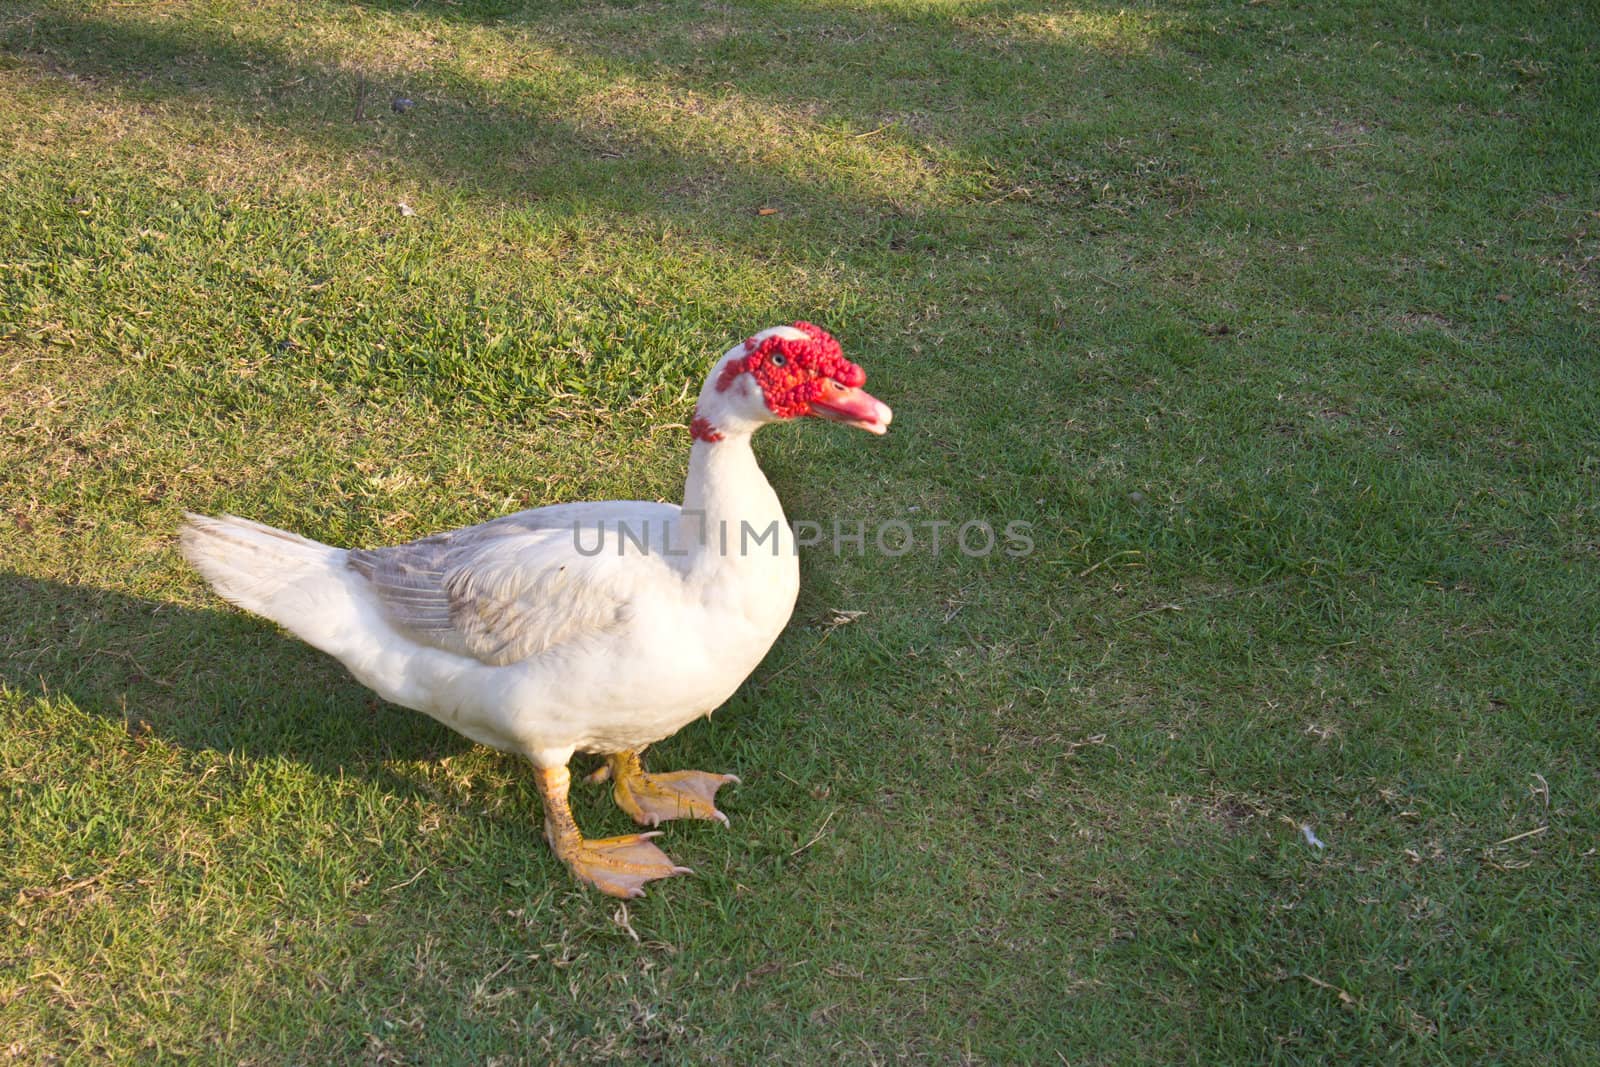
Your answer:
<point x="729" y="509"/>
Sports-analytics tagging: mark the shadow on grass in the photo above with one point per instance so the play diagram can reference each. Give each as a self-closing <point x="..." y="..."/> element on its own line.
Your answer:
<point x="204" y="679"/>
<point x="923" y="101"/>
<point x="465" y="134"/>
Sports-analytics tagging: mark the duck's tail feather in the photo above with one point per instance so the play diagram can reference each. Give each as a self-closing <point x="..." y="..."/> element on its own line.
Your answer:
<point x="298" y="583"/>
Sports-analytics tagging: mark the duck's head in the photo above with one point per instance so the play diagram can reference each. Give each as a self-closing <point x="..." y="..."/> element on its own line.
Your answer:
<point x="784" y="373"/>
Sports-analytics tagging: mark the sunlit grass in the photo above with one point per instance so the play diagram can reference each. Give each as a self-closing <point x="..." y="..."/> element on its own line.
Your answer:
<point x="538" y="91"/>
<point x="1121" y="32"/>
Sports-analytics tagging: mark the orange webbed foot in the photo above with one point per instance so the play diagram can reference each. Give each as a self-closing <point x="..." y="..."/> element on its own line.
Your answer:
<point x="619" y="866"/>
<point x="652" y="799"/>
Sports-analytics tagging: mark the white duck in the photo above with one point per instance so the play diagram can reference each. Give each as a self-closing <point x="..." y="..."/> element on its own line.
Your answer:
<point x="598" y="627"/>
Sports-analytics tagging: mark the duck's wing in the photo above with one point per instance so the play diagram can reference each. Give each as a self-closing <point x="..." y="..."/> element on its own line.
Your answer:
<point x="519" y="586"/>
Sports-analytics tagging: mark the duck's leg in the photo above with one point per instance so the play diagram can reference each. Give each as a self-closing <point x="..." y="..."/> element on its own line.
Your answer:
<point x="619" y="866"/>
<point x="652" y="799"/>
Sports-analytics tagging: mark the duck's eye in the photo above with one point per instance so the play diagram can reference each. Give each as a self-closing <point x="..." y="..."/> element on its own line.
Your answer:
<point x="776" y="359"/>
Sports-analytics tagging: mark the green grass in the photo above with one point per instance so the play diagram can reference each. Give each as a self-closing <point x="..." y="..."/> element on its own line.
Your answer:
<point x="1277" y="321"/>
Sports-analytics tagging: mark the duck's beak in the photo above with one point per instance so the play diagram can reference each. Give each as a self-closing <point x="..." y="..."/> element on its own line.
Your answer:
<point x="853" y="407"/>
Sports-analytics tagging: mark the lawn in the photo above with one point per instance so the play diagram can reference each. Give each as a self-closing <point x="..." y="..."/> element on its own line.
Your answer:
<point x="1279" y="322"/>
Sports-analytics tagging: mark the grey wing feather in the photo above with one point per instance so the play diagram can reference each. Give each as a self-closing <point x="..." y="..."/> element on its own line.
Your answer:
<point x="505" y="618"/>
<point x="477" y="592"/>
<point x="409" y="581"/>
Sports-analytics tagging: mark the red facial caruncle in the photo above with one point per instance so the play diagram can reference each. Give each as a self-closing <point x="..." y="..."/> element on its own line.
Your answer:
<point x="794" y="372"/>
<point x="702" y="430"/>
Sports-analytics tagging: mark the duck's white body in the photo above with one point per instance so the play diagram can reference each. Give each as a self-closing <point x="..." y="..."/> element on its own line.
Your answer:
<point x="580" y="627"/>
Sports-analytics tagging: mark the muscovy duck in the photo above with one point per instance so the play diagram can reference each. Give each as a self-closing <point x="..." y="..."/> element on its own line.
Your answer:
<point x="587" y="627"/>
